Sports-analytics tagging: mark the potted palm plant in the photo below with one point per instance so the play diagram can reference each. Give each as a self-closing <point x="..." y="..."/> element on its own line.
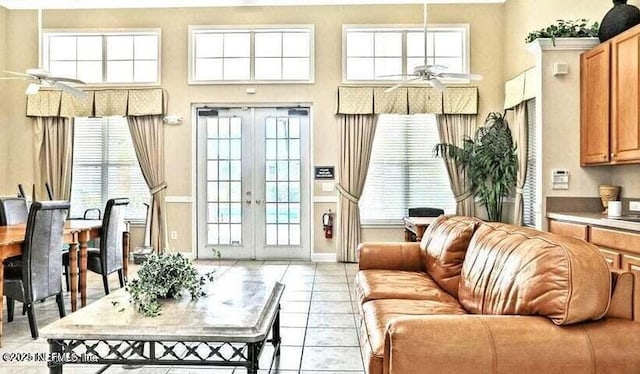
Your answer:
<point x="490" y="161"/>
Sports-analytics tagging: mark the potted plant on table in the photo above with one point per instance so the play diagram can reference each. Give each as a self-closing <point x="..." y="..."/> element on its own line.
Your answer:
<point x="490" y="161"/>
<point x="165" y="276"/>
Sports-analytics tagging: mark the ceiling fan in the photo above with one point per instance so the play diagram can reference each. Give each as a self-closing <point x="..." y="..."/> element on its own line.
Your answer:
<point x="42" y="78"/>
<point x="430" y="73"/>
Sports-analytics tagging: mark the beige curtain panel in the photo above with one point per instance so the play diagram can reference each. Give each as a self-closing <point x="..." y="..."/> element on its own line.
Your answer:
<point x="97" y="103"/>
<point x="356" y="134"/>
<point x="453" y="128"/>
<point x="407" y="100"/>
<point x="521" y="137"/>
<point x="147" y="133"/>
<point x="53" y="144"/>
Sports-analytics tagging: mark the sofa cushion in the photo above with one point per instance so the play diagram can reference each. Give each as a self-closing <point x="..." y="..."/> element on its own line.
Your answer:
<point x="443" y="248"/>
<point x="377" y="313"/>
<point x="515" y="270"/>
<point x="394" y="284"/>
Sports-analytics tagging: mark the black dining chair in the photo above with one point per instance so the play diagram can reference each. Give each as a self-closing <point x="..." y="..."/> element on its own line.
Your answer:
<point x="13" y="210"/>
<point x="108" y="258"/>
<point x="40" y="264"/>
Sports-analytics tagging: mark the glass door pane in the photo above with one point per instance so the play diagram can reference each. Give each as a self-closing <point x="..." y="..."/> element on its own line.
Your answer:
<point x="281" y="139"/>
<point x="224" y="174"/>
<point x="252" y="178"/>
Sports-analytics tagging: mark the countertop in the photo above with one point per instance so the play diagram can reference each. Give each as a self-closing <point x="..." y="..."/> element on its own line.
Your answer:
<point x="595" y="219"/>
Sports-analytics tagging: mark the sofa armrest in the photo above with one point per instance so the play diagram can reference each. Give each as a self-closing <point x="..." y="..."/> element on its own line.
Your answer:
<point x="508" y="344"/>
<point x="390" y="256"/>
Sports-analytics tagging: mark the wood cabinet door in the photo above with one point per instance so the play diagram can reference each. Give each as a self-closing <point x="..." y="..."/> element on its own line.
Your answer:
<point x="594" y="105"/>
<point x="625" y="97"/>
<point x="577" y="230"/>
<point x="612" y="257"/>
<point x="631" y="263"/>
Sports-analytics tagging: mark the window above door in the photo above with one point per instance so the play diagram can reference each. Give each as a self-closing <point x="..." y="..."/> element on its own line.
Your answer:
<point x="268" y="54"/>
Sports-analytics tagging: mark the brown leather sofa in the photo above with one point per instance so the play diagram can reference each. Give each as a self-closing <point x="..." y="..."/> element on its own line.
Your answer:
<point x="478" y="297"/>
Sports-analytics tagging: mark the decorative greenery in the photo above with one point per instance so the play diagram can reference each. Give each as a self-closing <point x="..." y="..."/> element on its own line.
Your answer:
<point x="164" y="276"/>
<point x="490" y="162"/>
<point x="565" y="29"/>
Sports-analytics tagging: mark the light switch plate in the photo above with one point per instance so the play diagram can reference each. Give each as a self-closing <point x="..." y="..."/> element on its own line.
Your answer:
<point x="634" y="205"/>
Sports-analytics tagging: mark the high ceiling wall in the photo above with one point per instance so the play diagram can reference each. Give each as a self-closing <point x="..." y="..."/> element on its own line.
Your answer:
<point x="486" y="59"/>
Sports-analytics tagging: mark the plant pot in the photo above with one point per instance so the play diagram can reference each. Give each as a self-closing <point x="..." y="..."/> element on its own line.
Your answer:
<point x="608" y="193"/>
<point x="618" y="19"/>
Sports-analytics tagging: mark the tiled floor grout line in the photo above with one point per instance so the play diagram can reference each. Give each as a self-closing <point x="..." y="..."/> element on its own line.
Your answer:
<point x="306" y="326"/>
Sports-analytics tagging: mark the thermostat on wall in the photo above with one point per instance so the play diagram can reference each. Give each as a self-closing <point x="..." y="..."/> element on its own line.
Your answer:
<point x="560" y="179"/>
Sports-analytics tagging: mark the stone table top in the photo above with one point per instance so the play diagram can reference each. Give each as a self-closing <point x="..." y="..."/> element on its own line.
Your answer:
<point x="234" y="310"/>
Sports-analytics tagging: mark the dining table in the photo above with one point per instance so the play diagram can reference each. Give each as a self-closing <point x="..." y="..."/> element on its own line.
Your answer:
<point x="77" y="233"/>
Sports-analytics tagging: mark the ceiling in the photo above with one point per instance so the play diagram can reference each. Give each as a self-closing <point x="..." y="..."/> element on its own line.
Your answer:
<point x="114" y="4"/>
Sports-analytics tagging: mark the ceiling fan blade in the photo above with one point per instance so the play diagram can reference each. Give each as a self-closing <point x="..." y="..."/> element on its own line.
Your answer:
<point x="435" y="69"/>
<point x="32" y="89"/>
<point x="393" y="75"/>
<point x="474" y="77"/>
<point x="72" y="90"/>
<point x="65" y="79"/>
<point x="395" y="87"/>
<point x="435" y="83"/>
<point x="15" y="78"/>
<point x="20" y="74"/>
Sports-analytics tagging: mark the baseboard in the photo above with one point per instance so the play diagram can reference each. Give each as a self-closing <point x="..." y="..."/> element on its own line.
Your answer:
<point x="324" y="257"/>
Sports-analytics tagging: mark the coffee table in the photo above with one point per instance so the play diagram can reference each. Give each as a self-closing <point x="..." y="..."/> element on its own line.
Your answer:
<point x="229" y="327"/>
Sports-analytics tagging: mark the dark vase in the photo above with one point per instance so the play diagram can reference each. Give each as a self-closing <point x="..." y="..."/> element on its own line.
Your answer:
<point x="618" y="19"/>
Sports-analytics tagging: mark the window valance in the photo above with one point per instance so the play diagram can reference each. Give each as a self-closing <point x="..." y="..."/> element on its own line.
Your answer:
<point x="97" y="103"/>
<point x="407" y="100"/>
<point x="521" y="88"/>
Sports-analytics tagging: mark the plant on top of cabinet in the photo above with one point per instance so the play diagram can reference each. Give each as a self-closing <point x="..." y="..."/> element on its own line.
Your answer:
<point x="565" y="29"/>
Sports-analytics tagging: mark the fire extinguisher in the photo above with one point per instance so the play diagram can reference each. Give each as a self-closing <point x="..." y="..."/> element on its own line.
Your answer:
<point x="327" y="223"/>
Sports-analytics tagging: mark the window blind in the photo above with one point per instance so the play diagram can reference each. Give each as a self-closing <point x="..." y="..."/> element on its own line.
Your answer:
<point x="105" y="166"/>
<point x="529" y="190"/>
<point x="403" y="173"/>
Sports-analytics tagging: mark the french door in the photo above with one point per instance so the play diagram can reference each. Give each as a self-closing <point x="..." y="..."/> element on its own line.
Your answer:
<point x="253" y="182"/>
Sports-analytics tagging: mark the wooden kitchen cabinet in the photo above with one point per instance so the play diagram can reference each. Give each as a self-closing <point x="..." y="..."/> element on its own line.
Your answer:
<point x="630" y="262"/>
<point x="594" y="105"/>
<point x="577" y="230"/>
<point x="621" y="249"/>
<point x="610" y="101"/>
<point x="625" y="97"/>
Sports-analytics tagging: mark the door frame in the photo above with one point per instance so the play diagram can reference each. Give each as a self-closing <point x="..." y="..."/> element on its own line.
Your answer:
<point x="309" y="185"/>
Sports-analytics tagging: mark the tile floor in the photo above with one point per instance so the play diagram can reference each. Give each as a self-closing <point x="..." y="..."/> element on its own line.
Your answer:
<point x="318" y="322"/>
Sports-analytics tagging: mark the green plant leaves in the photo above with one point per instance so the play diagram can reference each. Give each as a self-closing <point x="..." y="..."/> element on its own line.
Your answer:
<point x="490" y="161"/>
<point x="565" y="29"/>
<point x="162" y="276"/>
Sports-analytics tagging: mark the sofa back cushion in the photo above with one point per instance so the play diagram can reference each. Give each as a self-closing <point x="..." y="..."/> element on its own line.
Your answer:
<point x="515" y="270"/>
<point x="443" y="248"/>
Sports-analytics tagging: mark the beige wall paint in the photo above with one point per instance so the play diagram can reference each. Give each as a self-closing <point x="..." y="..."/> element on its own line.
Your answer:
<point x="560" y="119"/>
<point x="524" y="16"/>
<point x="486" y="58"/>
<point x="561" y="96"/>
<point x="21" y="53"/>
<point x="4" y="117"/>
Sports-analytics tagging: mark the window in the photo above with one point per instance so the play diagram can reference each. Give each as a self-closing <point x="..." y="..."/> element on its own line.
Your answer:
<point x="103" y="58"/>
<point x="403" y="173"/>
<point x="530" y="186"/>
<point x="385" y="53"/>
<point x="105" y="166"/>
<point x="262" y="54"/>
